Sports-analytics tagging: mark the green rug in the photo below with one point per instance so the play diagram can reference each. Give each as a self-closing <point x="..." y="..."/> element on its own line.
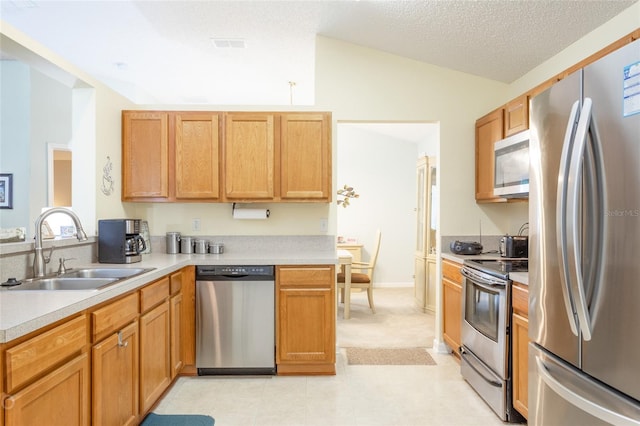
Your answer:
<point x="153" y="419"/>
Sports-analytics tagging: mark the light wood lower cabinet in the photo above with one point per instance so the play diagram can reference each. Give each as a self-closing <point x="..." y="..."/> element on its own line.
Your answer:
<point x="452" y="304"/>
<point x="520" y="347"/>
<point x="115" y="378"/>
<point x="155" y="364"/>
<point x="305" y="319"/>
<point x="155" y="342"/>
<point x="60" y="397"/>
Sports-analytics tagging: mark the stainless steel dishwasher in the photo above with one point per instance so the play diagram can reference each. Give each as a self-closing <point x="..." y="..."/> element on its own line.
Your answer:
<point x="235" y="320"/>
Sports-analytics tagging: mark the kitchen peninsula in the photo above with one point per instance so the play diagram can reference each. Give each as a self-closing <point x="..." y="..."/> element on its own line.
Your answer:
<point x="57" y="345"/>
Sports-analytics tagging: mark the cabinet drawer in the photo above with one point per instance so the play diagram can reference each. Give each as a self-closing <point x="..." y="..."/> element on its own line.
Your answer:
<point x="318" y="276"/>
<point x="451" y="270"/>
<point x="176" y="282"/>
<point x="154" y="294"/>
<point x="37" y="355"/>
<point x="112" y="317"/>
<point x="520" y="299"/>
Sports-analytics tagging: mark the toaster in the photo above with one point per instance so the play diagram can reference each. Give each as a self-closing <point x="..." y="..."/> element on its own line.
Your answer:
<point x="514" y="246"/>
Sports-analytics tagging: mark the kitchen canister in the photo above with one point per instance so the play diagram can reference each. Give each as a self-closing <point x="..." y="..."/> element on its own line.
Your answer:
<point x="216" y="248"/>
<point x="201" y="246"/>
<point x="173" y="242"/>
<point x="186" y="245"/>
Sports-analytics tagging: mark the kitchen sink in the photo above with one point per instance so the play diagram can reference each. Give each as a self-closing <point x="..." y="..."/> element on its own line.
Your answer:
<point x="82" y="279"/>
<point x="104" y="273"/>
<point x="67" y="284"/>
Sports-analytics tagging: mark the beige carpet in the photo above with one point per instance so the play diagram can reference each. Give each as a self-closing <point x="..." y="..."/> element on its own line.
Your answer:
<point x="397" y="323"/>
<point x="389" y="356"/>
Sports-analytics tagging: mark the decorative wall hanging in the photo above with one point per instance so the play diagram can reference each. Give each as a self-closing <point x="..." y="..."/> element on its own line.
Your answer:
<point x="107" y="180"/>
<point x="6" y="190"/>
<point x="347" y="192"/>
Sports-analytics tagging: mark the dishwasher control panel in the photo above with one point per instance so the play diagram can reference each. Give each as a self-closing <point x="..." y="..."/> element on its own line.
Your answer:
<point x="234" y="270"/>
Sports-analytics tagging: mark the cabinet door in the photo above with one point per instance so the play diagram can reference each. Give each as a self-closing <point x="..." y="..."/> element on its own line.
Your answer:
<point x="61" y="397"/>
<point x="420" y="282"/>
<point x="115" y="378"/>
<point x="516" y="116"/>
<point x="249" y="156"/>
<point x="305" y="168"/>
<point x="520" y="364"/>
<point x="145" y="155"/>
<point x="488" y="131"/>
<point x="305" y="326"/>
<point x="176" y="335"/>
<point x="197" y="156"/>
<point x="155" y="352"/>
<point x="452" y="313"/>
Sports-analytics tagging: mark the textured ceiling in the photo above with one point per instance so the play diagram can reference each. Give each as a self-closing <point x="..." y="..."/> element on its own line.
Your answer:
<point x="161" y="51"/>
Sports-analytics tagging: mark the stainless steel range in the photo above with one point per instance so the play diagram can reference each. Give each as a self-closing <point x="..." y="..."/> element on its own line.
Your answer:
<point x="486" y="341"/>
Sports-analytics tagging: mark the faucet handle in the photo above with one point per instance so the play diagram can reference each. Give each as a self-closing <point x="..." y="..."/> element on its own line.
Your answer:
<point x="62" y="268"/>
<point x="47" y="259"/>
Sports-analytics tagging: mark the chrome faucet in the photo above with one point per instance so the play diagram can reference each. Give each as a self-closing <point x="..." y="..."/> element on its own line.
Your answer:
<point x="39" y="262"/>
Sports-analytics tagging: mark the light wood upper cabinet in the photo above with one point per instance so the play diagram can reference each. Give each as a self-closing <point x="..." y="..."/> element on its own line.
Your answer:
<point x="305" y="169"/>
<point x="489" y="130"/>
<point x="145" y="155"/>
<point x="516" y="116"/>
<point x="249" y="156"/>
<point x="197" y="146"/>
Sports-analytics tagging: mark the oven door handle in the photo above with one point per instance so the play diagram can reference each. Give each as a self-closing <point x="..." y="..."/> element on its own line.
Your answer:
<point x="481" y="280"/>
<point x="470" y="362"/>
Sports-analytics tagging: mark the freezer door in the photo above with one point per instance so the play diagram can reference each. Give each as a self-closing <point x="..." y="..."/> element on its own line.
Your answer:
<point x="613" y="352"/>
<point x="552" y="322"/>
<point x="559" y="394"/>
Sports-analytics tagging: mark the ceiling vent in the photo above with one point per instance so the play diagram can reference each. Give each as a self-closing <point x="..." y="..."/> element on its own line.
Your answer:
<point x="229" y="43"/>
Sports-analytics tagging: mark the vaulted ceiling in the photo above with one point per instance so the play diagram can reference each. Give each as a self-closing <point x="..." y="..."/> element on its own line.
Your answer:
<point x="248" y="52"/>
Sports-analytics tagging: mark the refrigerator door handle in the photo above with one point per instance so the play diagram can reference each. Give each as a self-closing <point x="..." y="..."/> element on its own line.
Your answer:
<point x="574" y="212"/>
<point x="582" y="401"/>
<point x="561" y="216"/>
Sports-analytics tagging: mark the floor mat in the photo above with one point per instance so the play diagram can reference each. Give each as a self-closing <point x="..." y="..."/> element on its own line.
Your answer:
<point x="389" y="356"/>
<point x="177" y="420"/>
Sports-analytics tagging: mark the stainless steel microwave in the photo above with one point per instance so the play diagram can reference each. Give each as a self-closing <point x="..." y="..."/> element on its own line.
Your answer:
<point x="511" y="178"/>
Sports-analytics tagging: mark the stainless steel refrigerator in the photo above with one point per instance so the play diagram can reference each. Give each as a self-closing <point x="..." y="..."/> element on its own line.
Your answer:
<point x="584" y="254"/>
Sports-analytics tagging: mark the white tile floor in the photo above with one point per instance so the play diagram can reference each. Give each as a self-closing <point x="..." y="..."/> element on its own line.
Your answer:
<point x="357" y="395"/>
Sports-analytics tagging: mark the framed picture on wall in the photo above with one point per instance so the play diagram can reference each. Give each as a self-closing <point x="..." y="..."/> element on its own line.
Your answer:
<point x="6" y="190"/>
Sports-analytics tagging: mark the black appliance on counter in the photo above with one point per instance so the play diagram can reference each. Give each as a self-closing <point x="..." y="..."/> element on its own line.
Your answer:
<point x="120" y="241"/>
<point x="514" y="246"/>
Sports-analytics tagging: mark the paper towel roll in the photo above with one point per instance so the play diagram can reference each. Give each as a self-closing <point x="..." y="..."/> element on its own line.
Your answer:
<point x="250" y="213"/>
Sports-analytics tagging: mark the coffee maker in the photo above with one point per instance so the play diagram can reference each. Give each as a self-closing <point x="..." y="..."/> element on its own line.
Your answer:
<point x="120" y="241"/>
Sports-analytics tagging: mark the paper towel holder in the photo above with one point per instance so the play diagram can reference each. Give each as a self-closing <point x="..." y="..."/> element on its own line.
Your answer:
<point x="233" y="209"/>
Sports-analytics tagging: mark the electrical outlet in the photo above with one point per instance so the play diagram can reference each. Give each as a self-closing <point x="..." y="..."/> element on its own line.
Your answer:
<point x="324" y="225"/>
<point x="195" y="226"/>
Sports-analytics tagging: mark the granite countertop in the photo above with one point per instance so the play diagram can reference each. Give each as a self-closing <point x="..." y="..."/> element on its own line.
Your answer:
<point x="22" y="312"/>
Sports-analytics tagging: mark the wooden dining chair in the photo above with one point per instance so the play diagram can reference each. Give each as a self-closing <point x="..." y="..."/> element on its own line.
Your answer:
<point x="362" y="279"/>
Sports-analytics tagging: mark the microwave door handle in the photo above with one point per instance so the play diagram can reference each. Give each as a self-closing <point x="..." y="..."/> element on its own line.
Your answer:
<point x="574" y="214"/>
<point x="561" y="216"/>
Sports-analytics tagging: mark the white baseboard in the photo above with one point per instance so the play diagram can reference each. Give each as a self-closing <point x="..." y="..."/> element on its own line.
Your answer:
<point x="440" y="347"/>
<point x="393" y="284"/>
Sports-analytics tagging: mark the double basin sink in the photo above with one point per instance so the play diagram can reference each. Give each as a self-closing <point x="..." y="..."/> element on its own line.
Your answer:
<point x="82" y="279"/>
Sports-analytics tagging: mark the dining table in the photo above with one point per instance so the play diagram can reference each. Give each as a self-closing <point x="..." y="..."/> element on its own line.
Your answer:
<point x="345" y="258"/>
